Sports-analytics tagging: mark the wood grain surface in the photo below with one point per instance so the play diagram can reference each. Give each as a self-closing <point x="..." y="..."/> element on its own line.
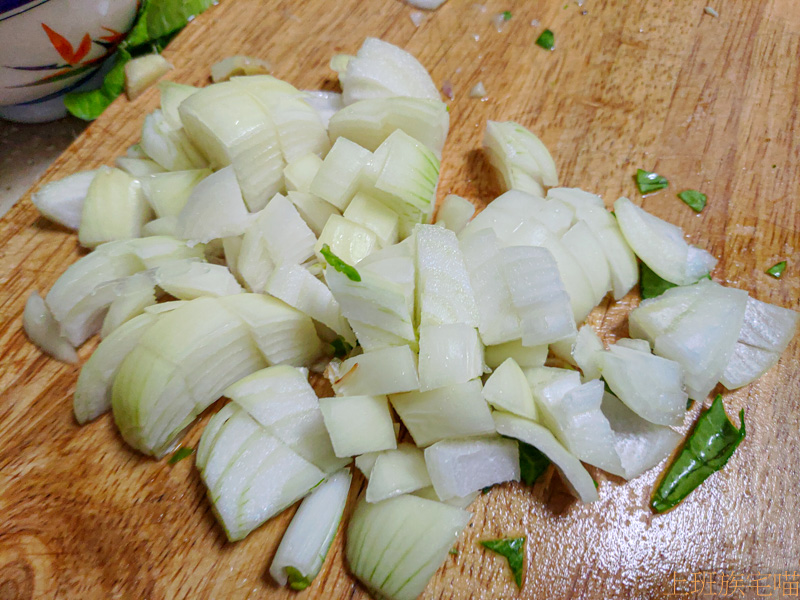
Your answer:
<point x="711" y="103"/>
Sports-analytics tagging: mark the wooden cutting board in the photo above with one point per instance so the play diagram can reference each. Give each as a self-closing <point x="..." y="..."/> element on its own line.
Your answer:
<point x="711" y="103"/>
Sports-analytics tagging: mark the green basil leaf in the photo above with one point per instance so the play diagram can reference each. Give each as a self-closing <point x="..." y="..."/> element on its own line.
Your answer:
<point x="777" y="270"/>
<point x="648" y="182"/>
<point x="297" y="581"/>
<point x="506" y="15"/>
<point x="546" y="40"/>
<point x="453" y="551"/>
<point x="180" y="454"/>
<point x="704" y="452"/>
<point x="694" y="199"/>
<point x="338" y="264"/>
<point x="341" y="347"/>
<point x="158" y="18"/>
<point x="90" y="104"/>
<point x="532" y="463"/>
<point x="513" y="549"/>
<point x="651" y="284"/>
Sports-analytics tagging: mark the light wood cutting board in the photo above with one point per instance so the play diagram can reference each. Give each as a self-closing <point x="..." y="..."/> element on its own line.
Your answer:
<point x="711" y="103"/>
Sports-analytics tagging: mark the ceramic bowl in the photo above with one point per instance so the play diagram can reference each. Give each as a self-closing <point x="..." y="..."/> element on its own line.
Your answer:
<point x="50" y="47"/>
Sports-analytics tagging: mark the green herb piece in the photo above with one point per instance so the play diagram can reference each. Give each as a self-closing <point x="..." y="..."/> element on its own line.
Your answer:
<point x="651" y="284"/>
<point x="705" y="451"/>
<point x="689" y="403"/>
<point x="648" y="182"/>
<point x="341" y="347"/>
<point x="513" y="549"/>
<point x="506" y="15"/>
<point x="297" y="581"/>
<point x="338" y="264"/>
<point x="546" y="40"/>
<point x="532" y="463"/>
<point x="180" y="454"/>
<point x="487" y="489"/>
<point x="777" y="270"/>
<point x="694" y="199"/>
<point x="453" y="551"/>
<point x="596" y="485"/>
<point x="156" y="24"/>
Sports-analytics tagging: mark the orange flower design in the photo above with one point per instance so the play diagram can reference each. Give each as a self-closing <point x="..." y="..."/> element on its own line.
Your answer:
<point x="114" y="37"/>
<point x="65" y="49"/>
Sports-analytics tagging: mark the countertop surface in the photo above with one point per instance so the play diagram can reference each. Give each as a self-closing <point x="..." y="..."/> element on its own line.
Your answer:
<point x="26" y="150"/>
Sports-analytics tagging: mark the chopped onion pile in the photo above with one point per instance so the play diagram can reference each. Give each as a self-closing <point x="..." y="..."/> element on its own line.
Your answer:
<point x="258" y="231"/>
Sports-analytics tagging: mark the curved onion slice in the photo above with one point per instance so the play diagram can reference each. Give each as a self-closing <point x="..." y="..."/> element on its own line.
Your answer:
<point x="521" y="158"/>
<point x="396" y="472"/>
<point x="44" y="331"/>
<point x="62" y="201"/>
<point x="661" y="245"/>
<point x="305" y="544"/>
<point x="250" y="474"/>
<point x="454" y="213"/>
<point x="369" y="122"/>
<point x="381" y="70"/>
<point x="507" y="389"/>
<point x="460" y="467"/>
<point x="394" y="547"/>
<point x="325" y="103"/>
<point x="93" y="390"/>
<point x="572" y="471"/>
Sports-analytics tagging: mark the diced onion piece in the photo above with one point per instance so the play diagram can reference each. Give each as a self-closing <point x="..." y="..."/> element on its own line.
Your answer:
<point x="61" y="201"/>
<point x="44" y="331"/>
<point x="164" y="226"/>
<point x="639" y="444"/>
<point x="651" y="386"/>
<point x="381" y="70"/>
<point x="524" y="356"/>
<point x="308" y="538"/>
<point x="538" y="294"/>
<point x="162" y="307"/>
<point x="661" y="245"/>
<point x="426" y="4"/>
<point x="397" y="472"/>
<point x="177" y="370"/>
<point x="394" y="547"/>
<point x="339" y="63"/>
<point x="168" y="145"/>
<point x="376" y="217"/>
<point x="93" y="390"/>
<point x="429" y="493"/>
<point x="300" y="172"/>
<point x="250" y="474"/>
<point x="143" y="71"/>
<point x="348" y="240"/>
<point x="172" y="94"/>
<point x="284" y="335"/>
<point x="404" y="175"/>
<point x="767" y="326"/>
<point x="277" y="236"/>
<point x="234" y="66"/>
<point x="214" y="209"/>
<point x="448" y="355"/>
<point x="233" y="128"/>
<point x="133" y="295"/>
<point x="454" y="411"/>
<point x="369" y="122"/>
<point x="377" y="302"/>
<point x="576" y="420"/>
<point x="314" y="211"/>
<point x="387" y="371"/>
<point x="655" y="316"/>
<point x="498" y="320"/>
<point x="572" y="471"/>
<point x="459" y="467"/>
<point x="444" y="292"/>
<point x="189" y="279"/>
<point x="168" y="193"/>
<point x="634" y="344"/>
<point x="300" y="289"/>
<point x="588" y="251"/>
<point x="590" y="209"/>
<point x="325" y="103"/>
<point x="587" y="352"/>
<point x="281" y="399"/>
<point x="454" y="213"/>
<point x="338" y="178"/>
<point x="478" y="91"/>
<point x="550" y="385"/>
<point x="358" y="424"/>
<point x="365" y="462"/>
<point x="114" y="209"/>
<point x="507" y="389"/>
<point x="521" y="158"/>
<point x="138" y="167"/>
